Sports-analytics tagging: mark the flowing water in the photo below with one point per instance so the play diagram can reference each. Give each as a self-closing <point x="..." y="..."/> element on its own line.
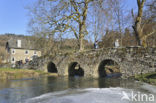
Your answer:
<point x="76" y="90"/>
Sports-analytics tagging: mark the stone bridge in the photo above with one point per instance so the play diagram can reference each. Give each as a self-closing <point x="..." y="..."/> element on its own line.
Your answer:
<point x="130" y="61"/>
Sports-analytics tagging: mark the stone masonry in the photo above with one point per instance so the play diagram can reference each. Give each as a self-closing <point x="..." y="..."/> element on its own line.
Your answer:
<point x="131" y="60"/>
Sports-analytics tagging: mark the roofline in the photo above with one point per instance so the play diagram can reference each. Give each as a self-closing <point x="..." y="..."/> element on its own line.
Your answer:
<point x="24" y="48"/>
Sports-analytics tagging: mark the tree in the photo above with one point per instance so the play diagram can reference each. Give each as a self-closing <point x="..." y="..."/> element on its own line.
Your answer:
<point x="110" y="17"/>
<point x="97" y="21"/>
<point x="138" y="27"/>
<point x="67" y="16"/>
<point x="118" y="9"/>
<point x="3" y="55"/>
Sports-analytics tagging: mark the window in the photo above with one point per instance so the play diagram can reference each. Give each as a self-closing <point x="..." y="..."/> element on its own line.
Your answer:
<point x="26" y="52"/>
<point x="13" y="51"/>
<point x="35" y="52"/>
<point x="13" y="59"/>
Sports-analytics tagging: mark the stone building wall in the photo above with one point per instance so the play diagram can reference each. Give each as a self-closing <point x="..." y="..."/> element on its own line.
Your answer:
<point x="20" y="54"/>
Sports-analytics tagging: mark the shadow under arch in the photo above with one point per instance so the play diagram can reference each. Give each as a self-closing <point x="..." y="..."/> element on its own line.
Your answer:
<point x="109" y="68"/>
<point x="74" y="69"/>
<point x="51" y="67"/>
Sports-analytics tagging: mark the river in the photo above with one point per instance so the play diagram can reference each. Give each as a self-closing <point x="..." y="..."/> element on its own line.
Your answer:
<point x="76" y="90"/>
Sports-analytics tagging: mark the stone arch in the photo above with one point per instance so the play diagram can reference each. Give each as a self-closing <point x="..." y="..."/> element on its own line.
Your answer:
<point x="74" y="69"/>
<point x="109" y="68"/>
<point x="51" y="68"/>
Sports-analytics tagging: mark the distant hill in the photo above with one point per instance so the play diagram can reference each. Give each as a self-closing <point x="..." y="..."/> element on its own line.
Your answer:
<point x="5" y="37"/>
<point x="42" y="43"/>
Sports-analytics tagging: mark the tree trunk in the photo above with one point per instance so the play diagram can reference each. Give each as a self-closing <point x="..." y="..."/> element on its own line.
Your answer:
<point x="82" y="26"/>
<point x="137" y="35"/>
<point x="137" y="26"/>
<point x="144" y="41"/>
<point x="81" y="42"/>
<point x="81" y="36"/>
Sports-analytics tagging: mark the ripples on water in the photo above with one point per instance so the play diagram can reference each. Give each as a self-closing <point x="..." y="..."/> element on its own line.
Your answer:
<point x="70" y="90"/>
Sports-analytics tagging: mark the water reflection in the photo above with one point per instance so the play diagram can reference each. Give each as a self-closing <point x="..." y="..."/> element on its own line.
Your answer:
<point x="14" y="91"/>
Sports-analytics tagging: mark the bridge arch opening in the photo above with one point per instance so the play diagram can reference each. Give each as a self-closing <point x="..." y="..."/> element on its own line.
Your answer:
<point x="51" y="67"/>
<point x="109" y="68"/>
<point x="75" y="70"/>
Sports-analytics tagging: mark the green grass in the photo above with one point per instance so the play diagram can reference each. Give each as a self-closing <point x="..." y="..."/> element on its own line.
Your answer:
<point x="9" y="73"/>
<point x="12" y="69"/>
<point x="148" y="78"/>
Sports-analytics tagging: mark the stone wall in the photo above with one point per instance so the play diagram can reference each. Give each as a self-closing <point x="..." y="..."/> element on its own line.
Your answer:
<point x="19" y="54"/>
<point x="131" y="60"/>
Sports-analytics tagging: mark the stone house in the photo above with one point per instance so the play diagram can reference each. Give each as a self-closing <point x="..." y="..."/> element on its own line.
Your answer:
<point x="21" y="50"/>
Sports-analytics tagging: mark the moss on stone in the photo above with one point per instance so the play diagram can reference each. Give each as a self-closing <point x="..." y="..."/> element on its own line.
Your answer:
<point x="148" y="78"/>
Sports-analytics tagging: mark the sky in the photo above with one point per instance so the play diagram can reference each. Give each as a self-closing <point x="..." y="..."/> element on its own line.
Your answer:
<point x="14" y="15"/>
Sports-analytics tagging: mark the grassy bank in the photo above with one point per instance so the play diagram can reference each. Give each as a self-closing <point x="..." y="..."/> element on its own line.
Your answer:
<point x="148" y="78"/>
<point x="8" y="73"/>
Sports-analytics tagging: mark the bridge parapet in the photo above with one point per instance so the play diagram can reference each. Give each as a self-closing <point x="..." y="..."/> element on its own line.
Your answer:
<point x="131" y="60"/>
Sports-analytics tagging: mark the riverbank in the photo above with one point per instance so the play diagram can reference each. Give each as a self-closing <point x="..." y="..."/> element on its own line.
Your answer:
<point x="148" y="78"/>
<point x="9" y="73"/>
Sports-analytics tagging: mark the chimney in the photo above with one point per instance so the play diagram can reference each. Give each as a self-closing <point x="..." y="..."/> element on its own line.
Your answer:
<point x="19" y="43"/>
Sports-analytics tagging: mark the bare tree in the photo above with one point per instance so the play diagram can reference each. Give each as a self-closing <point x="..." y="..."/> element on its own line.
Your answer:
<point x="138" y="27"/>
<point x="118" y="13"/>
<point x="97" y="21"/>
<point x="68" y="16"/>
<point x="102" y="19"/>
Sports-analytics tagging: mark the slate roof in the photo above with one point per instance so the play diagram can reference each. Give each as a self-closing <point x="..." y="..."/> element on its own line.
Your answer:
<point x="25" y="44"/>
